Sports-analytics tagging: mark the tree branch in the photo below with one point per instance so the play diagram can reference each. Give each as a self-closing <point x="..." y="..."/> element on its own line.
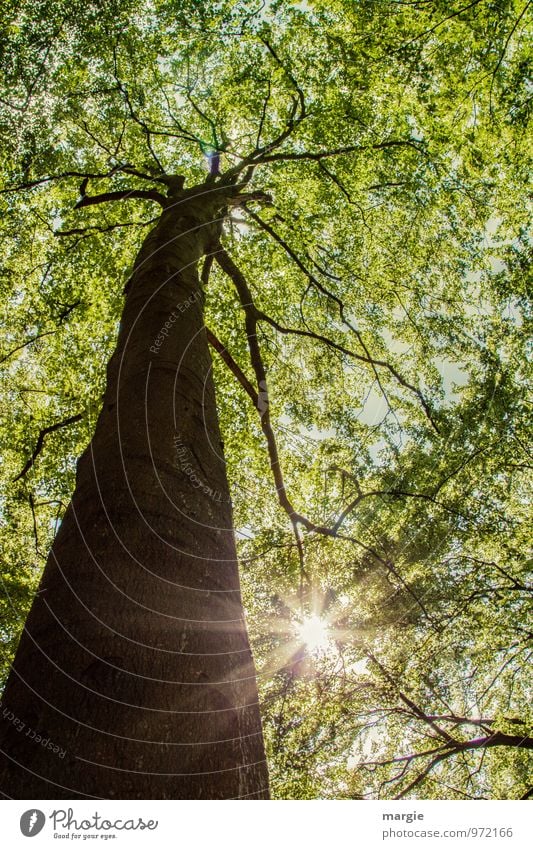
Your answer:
<point x="299" y="92"/>
<point x="125" y="194"/>
<point x="339" y="151"/>
<point x="418" y="712"/>
<point x="263" y="406"/>
<point x="40" y="441"/>
<point x="232" y="365"/>
<point x="142" y="124"/>
<point x="262" y="403"/>
<point x="496" y="739"/>
<point x="30" y="184"/>
<point x="375" y="363"/>
<point x="76" y="231"/>
<point x="28" y="342"/>
<point x="394" y="493"/>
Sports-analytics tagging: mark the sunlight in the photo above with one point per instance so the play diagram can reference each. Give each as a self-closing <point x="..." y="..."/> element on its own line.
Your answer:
<point x="314" y="634"/>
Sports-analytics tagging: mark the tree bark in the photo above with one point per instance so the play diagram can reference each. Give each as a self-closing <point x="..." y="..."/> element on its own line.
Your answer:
<point x="135" y="660"/>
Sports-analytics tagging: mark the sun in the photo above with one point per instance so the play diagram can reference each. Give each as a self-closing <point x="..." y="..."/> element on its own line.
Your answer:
<point x="314" y="633"/>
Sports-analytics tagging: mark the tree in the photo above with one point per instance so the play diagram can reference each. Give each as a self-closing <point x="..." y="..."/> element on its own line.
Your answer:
<point x="335" y="202"/>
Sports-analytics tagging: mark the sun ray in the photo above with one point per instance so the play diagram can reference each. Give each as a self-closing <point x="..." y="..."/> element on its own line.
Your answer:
<point x="313" y="631"/>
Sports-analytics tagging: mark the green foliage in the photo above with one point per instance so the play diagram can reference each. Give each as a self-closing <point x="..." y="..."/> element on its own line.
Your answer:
<point x="401" y="418"/>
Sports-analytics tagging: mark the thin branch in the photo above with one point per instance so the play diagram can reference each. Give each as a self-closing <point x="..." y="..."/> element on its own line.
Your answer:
<point x="67" y="309"/>
<point x="146" y="130"/>
<point x="394" y="493"/>
<point x="299" y="92"/>
<point x="338" y="151"/>
<point x="188" y="92"/>
<point x="125" y="194"/>
<point x="95" y="229"/>
<point x="60" y="318"/>
<point x="418" y="712"/>
<point x="111" y="152"/>
<point x="261" y="154"/>
<point x="367" y="356"/>
<point x="422" y="775"/>
<point x="127" y="169"/>
<point x="28" y="342"/>
<point x="262" y="403"/>
<point x="496" y="739"/>
<point x="504" y="51"/>
<point x="183" y="133"/>
<point x="435" y="26"/>
<point x="232" y="365"/>
<point x="40" y="442"/>
<point x="263" y="114"/>
<point x="263" y="407"/>
<point x="30" y="184"/>
<point x="464" y="720"/>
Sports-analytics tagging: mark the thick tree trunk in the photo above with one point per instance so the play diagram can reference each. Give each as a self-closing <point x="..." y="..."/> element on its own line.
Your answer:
<point x="135" y="661"/>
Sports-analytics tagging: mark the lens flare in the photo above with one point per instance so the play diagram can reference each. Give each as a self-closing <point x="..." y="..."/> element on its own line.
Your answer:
<point x="313" y="632"/>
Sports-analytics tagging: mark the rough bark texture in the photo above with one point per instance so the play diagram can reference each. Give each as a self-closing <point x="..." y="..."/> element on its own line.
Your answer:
<point x="135" y="660"/>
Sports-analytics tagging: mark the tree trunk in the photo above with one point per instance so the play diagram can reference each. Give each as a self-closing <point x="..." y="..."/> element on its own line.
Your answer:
<point x="134" y="668"/>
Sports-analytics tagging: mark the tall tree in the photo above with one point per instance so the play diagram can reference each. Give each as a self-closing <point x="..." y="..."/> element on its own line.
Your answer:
<point x="335" y="204"/>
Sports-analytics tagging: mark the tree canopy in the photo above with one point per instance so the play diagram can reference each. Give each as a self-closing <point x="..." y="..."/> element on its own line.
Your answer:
<point x="368" y="317"/>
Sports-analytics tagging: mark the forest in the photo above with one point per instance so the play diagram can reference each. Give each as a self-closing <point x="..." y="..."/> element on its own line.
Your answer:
<point x="266" y="468"/>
